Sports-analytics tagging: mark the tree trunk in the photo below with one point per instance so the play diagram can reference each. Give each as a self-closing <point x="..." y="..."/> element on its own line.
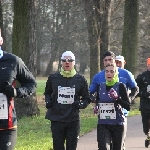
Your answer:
<point x="130" y="34"/>
<point x="94" y="37"/>
<point x="104" y="35"/>
<point x="2" y="27"/>
<point x="24" y="45"/>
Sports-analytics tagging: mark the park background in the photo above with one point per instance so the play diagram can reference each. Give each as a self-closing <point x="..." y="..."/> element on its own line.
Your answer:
<point x="39" y="31"/>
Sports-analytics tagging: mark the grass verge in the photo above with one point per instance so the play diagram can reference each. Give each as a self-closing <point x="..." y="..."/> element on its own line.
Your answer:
<point x="34" y="132"/>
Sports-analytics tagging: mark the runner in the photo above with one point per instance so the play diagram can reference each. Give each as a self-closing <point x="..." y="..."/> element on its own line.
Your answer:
<point x="124" y="76"/>
<point x="112" y="97"/>
<point x="143" y="81"/>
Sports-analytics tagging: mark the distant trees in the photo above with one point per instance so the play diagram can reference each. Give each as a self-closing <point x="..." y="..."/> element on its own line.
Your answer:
<point x="63" y="25"/>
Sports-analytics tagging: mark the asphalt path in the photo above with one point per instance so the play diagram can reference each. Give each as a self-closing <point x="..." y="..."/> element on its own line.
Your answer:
<point x="135" y="139"/>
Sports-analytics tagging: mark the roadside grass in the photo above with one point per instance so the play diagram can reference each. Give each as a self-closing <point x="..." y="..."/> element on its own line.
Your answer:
<point x="34" y="132"/>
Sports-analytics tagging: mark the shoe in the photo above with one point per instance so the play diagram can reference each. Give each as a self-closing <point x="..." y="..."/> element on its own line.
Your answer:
<point x="147" y="143"/>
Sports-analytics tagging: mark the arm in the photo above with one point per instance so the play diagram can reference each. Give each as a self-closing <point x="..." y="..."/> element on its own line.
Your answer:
<point x="142" y="87"/>
<point x="123" y="100"/>
<point x="97" y="79"/>
<point x="85" y="97"/>
<point x="26" y="80"/>
<point x="47" y="93"/>
<point x="134" y="92"/>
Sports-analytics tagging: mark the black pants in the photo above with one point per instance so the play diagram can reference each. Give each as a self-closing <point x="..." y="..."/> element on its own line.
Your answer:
<point x="145" y="113"/>
<point x="65" y="131"/>
<point x="8" y="139"/>
<point x="106" y="133"/>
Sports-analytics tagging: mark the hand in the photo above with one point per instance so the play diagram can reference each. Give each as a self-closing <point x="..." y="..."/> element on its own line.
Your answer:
<point x="9" y="91"/>
<point x="93" y="97"/>
<point x="113" y="94"/>
<point x="76" y="104"/>
<point x="147" y="95"/>
<point x="95" y="109"/>
<point x="48" y="105"/>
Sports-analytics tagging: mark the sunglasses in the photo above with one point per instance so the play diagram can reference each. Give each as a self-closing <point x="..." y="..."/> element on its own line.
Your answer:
<point x="65" y="60"/>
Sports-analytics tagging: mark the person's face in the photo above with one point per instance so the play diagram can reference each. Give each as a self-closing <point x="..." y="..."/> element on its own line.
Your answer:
<point x="109" y="72"/>
<point x="108" y="60"/>
<point x="67" y="63"/>
<point x="119" y="64"/>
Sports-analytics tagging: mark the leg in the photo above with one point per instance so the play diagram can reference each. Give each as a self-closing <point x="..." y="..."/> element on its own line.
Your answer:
<point x="8" y="139"/>
<point x="145" y="113"/>
<point x="125" y="132"/>
<point x="118" y="137"/>
<point x="73" y="130"/>
<point x="58" y="135"/>
<point x="145" y="121"/>
<point x="103" y="137"/>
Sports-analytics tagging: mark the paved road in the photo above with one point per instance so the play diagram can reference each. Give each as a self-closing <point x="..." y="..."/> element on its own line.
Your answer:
<point x="135" y="139"/>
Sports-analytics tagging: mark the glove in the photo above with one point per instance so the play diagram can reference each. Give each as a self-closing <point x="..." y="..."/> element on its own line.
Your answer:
<point x="76" y="104"/>
<point x="92" y="98"/>
<point x="95" y="109"/>
<point x="113" y="94"/>
<point x="146" y="94"/>
<point x="10" y="91"/>
<point x="48" y="105"/>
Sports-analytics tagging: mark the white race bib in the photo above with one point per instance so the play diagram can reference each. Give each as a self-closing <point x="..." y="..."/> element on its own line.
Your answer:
<point x="107" y="111"/>
<point x="65" y="95"/>
<point x="148" y="88"/>
<point x="3" y="107"/>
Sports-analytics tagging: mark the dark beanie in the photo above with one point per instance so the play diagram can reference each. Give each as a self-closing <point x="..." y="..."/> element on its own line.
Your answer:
<point x="108" y="53"/>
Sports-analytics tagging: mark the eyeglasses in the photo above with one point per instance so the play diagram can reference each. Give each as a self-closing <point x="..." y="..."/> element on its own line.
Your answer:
<point x="65" y="60"/>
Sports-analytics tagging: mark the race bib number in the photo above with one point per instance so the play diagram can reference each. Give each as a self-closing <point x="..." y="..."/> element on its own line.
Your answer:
<point x="148" y="88"/>
<point x="3" y="107"/>
<point x="107" y="111"/>
<point x="65" y="95"/>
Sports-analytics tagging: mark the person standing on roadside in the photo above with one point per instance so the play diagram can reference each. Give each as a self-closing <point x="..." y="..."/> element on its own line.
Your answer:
<point x="12" y="69"/>
<point x="124" y="76"/>
<point x="65" y="93"/>
<point x="143" y="82"/>
<point x="112" y="97"/>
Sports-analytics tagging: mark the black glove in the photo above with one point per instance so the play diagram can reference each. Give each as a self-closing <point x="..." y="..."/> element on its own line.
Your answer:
<point x="92" y="98"/>
<point x="146" y="94"/>
<point x="48" y="105"/>
<point x="10" y="91"/>
<point x="78" y="105"/>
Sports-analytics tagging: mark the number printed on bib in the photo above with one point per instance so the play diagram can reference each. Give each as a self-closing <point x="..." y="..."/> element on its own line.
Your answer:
<point x="65" y="95"/>
<point x="3" y="107"/>
<point x="107" y="111"/>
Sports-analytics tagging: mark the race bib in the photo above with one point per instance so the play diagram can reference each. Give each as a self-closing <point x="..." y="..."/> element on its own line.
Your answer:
<point x="107" y="111"/>
<point x="65" y="95"/>
<point x="3" y="107"/>
<point x="148" y="88"/>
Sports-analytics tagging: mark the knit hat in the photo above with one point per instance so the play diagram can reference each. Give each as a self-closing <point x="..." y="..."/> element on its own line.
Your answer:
<point x="148" y="61"/>
<point x="109" y="53"/>
<point x="68" y="53"/>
